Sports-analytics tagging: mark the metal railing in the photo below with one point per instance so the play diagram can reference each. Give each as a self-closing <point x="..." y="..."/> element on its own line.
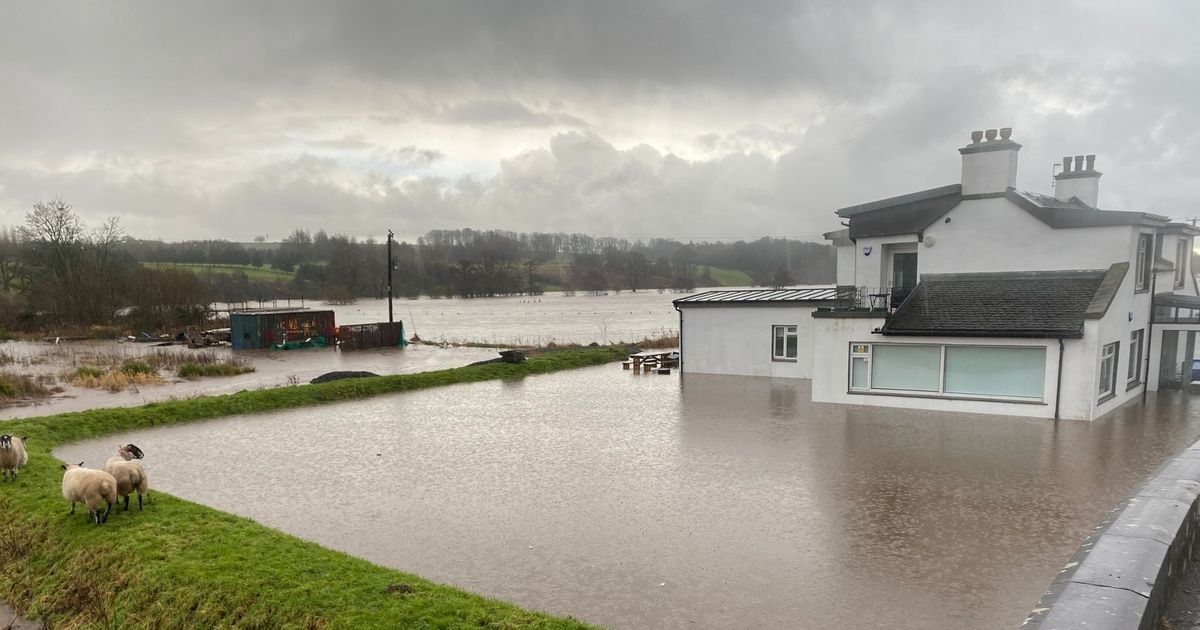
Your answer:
<point x="870" y="298"/>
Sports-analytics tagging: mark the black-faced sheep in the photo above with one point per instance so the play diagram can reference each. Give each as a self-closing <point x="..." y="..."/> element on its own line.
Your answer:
<point x="90" y="487"/>
<point x="129" y="474"/>
<point x="12" y="455"/>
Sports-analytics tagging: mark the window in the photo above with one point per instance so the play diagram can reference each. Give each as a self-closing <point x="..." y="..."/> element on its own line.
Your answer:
<point x="1145" y="254"/>
<point x="1135" y="357"/>
<point x="1001" y="372"/>
<point x="1181" y="262"/>
<point x="786" y="343"/>
<point x="1108" y="370"/>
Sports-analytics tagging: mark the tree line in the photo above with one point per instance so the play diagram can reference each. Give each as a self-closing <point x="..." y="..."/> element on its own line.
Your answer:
<point x="56" y="269"/>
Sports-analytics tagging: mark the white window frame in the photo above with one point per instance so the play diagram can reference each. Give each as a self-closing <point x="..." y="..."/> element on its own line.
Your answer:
<point x="864" y="351"/>
<point x="1135" y="357"/>
<point x="1144" y="263"/>
<point x="1107" y="385"/>
<point x="1181" y="261"/>
<point x="788" y="330"/>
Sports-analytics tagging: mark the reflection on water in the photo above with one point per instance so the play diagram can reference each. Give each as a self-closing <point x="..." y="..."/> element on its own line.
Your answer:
<point x="707" y="502"/>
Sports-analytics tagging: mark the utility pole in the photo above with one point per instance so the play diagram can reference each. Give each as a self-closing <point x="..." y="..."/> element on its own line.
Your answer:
<point x="389" y="265"/>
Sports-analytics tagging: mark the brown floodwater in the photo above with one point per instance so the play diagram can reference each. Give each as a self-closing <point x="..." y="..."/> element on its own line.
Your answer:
<point x="697" y="502"/>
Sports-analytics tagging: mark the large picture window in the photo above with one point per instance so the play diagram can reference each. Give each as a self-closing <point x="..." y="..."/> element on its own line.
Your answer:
<point x="1001" y="372"/>
<point x="1108" y="370"/>
<point x="786" y="343"/>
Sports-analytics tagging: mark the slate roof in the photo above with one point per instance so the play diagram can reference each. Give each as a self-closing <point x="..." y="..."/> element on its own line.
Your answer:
<point x="1073" y="213"/>
<point x="744" y="296"/>
<point x="904" y="218"/>
<point x="1007" y="304"/>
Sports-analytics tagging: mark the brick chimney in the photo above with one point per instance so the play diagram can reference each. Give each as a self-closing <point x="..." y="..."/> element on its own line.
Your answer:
<point x="989" y="166"/>
<point x="1080" y="179"/>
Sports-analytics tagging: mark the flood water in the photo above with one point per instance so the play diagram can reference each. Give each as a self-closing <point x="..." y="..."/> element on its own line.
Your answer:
<point x="524" y="320"/>
<point x="648" y="501"/>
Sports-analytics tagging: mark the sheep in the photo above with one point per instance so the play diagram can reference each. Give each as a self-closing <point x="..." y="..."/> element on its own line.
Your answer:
<point x="89" y="487"/>
<point x="12" y="455"/>
<point x="129" y="474"/>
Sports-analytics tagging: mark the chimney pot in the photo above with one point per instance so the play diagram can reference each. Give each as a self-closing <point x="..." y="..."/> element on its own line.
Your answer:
<point x="1091" y="162"/>
<point x="991" y="134"/>
<point x="1006" y="132"/>
<point x="976" y="136"/>
<point x="1066" y="164"/>
<point x="1078" y="163"/>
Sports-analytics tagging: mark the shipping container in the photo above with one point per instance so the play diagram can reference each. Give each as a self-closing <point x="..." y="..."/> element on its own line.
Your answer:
<point x="377" y="335"/>
<point x="250" y="330"/>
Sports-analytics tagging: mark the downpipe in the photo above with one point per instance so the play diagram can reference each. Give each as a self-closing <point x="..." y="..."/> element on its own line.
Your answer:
<point x="1058" y="385"/>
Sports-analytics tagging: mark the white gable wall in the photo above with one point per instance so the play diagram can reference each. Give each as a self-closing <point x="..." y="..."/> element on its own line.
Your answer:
<point x="874" y="269"/>
<point x="736" y="339"/>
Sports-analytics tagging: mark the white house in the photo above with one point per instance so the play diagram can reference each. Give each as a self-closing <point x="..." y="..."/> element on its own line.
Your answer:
<point x="977" y="297"/>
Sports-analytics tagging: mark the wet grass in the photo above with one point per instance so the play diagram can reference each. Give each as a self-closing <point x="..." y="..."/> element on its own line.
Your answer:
<point x="224" y="368"/>
<point x="183" y="565"/>
<point x="25" y="387"/>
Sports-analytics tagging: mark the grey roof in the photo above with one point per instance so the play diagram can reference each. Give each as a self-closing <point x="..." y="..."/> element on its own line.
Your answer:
<point x="756" y="296"/>
<point x="1073" y="213"/>
<point x="906" y="217"/>
<point x="1006" y="304"/>
<point x="1162" y="264"/>
<point x="941" y="191"/>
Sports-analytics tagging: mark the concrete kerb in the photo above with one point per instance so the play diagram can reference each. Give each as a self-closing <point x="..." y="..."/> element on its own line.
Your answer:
<point x="1122" y="575"/>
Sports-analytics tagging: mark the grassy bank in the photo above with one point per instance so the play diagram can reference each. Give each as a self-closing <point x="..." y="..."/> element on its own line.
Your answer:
<point x="181" y="564"/>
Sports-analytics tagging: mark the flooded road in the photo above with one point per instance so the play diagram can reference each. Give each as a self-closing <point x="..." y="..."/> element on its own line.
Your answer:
<point x="702" y="502"/>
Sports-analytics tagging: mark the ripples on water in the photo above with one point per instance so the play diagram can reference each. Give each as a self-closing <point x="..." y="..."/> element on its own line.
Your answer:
<point x="701" y="502"/>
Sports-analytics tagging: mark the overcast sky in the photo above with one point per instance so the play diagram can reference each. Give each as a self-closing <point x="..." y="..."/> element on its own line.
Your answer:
<point x="681" y="119"/>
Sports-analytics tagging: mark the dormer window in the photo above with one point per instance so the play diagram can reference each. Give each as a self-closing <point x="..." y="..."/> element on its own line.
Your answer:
<point x="1145" y="252"/>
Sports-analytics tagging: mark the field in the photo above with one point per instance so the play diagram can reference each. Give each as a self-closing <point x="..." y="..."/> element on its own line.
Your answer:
<point x="266" y="272"/>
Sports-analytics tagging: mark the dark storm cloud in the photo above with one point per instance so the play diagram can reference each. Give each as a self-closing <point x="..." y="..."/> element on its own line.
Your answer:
<point x="722" y="118"/>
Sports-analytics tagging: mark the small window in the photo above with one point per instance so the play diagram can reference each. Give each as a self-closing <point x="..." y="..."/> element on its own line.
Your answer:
<point x="1108" y="370"/>
<point x="1145" y="253"/>
<point x="860" y="366"/>
<point x="1181" y="262"/>
<point x="1135" y="357"/>
<point x="786" y="344"/>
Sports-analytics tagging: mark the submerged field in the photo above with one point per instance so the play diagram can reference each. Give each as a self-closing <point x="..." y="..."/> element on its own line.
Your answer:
<point x="180" y="564"/>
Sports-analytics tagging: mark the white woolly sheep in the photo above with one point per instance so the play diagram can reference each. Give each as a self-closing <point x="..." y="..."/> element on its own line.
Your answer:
<point x="129" y="474"/>
<point x="12" y="455"/>
<point x="90" y="487"/>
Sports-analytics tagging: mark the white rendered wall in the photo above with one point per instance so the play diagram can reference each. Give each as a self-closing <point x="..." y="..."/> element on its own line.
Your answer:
<point x="997" y="235"/>
<point x="846" y="264"/>
<point x="1086" y="189"/>
<point x="736" y="339"/>
<point x="989" y="172"/>
<point x="872" y="270"/>
<point x="830" y="383"/>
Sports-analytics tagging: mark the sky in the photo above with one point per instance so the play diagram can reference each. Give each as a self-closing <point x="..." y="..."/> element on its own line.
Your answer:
<point x="691" y="120"/>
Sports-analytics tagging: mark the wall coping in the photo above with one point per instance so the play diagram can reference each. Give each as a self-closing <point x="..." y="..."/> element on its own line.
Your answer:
<point x="1122" y="576"/>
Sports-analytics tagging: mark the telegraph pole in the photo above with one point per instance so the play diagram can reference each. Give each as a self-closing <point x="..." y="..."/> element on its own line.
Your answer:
<point x="389" y="265"/>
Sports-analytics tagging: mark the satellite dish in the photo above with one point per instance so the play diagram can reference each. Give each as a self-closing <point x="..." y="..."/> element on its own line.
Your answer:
<point x="928" y="241"/>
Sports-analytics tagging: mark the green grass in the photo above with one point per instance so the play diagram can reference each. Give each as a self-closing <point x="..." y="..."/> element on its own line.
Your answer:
<point x="183" y="565"/>
<point x="266" y="272"/>
<point x="199" y="370"/>
<point x="730" y="277"/>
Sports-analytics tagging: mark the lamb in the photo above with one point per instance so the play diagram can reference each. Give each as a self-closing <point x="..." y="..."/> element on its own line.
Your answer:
<point x="12" y="455"/>
<point x="90" y="487"/>
<point x="129" y="474"/>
